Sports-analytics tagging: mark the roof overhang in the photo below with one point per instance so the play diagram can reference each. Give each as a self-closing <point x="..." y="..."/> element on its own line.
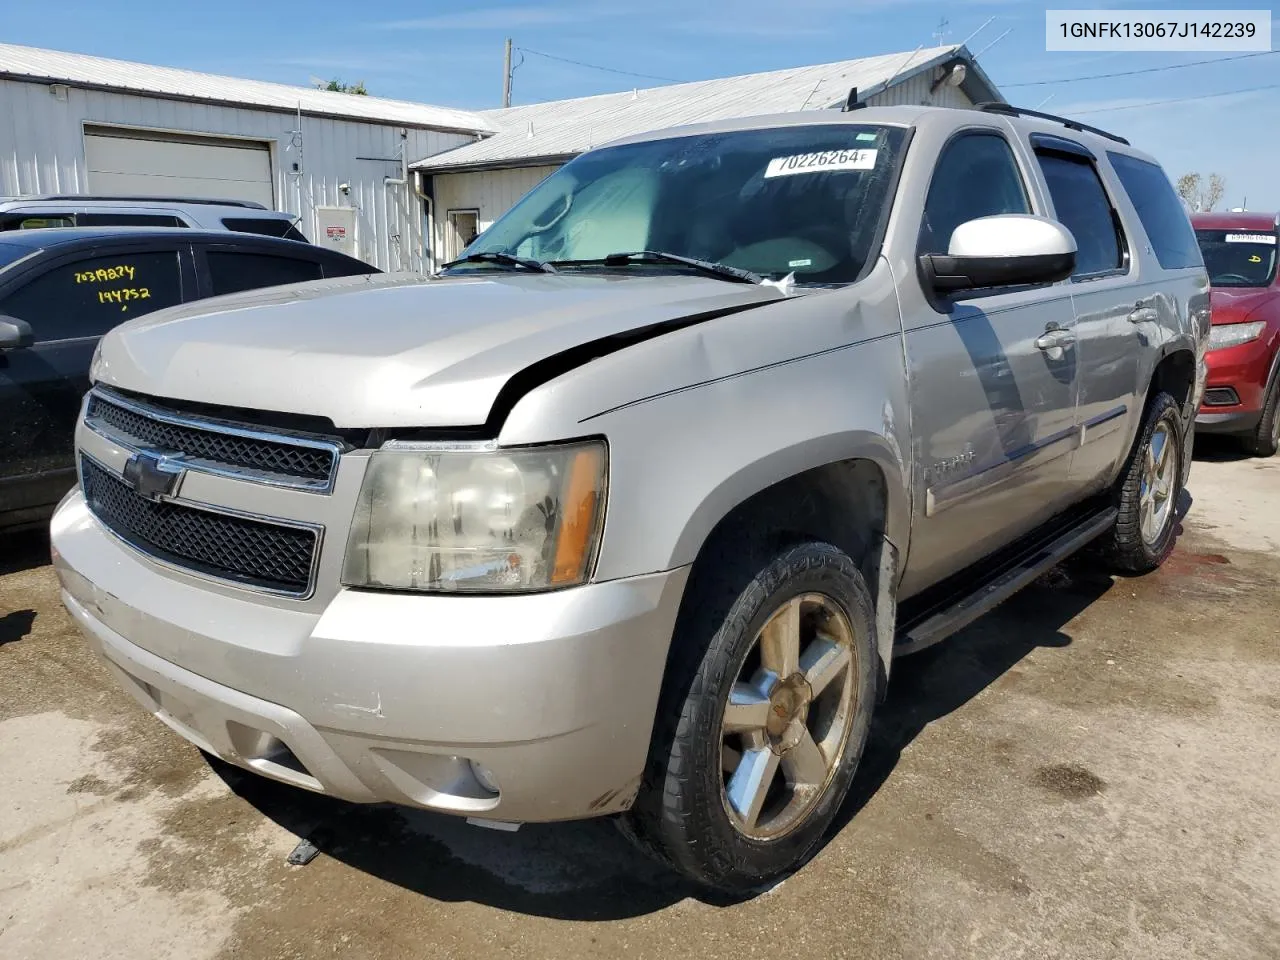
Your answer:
<point x="124" y="90"/>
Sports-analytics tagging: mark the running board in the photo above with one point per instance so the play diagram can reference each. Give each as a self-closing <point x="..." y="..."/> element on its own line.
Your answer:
<point x="939" y="624"/>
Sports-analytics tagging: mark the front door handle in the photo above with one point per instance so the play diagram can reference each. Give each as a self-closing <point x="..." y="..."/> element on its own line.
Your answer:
<point x="1055" y="339"/>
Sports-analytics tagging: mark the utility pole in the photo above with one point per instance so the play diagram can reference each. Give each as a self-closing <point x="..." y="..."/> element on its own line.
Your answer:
<point x="506" y="75"/>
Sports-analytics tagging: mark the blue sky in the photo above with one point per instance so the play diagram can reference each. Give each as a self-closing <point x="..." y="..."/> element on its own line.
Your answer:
<point x="451" y="54"/>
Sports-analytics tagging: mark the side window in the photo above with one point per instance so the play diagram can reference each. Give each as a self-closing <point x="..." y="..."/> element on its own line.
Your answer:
<point x="1168" y="228"/>
<point x="232" y="272"/>
<point x="1081" y="205"/>
<point x="976" y="176"/>
<point x="127" y="220"/>
<point x="86" y="298"/>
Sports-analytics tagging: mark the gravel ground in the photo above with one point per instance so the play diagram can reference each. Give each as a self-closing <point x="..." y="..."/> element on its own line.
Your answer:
<point x="1090" y="771"/>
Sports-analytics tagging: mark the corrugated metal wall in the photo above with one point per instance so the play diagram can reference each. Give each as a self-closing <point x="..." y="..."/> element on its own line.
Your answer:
<point x="42" y="151"/>
<point x="915" y="91"/>
<point x="492" y="192"/>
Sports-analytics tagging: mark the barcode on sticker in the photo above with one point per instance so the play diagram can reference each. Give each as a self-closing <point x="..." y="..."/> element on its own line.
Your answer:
<point x="821" y="162"/>
<point x="1247" y="237"/>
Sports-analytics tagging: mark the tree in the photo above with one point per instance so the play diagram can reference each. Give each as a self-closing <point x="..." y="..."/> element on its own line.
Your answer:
<point x="1201" y="197"/>
<point x="337" y="86"/>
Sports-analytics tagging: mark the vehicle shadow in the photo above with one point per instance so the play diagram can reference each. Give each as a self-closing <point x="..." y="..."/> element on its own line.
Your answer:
<point x="1215" y="448"/>
<point x="16" y="625"/>
<point x="940" y="680"/>
<point x="23" y="550"/>
<point x="587" y="870"/>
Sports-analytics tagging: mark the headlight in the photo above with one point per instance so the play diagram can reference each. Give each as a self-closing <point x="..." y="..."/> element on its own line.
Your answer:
<point x="1234" y="334"/>
<point x="477" y="520"/>
<point x="95" y="362"/>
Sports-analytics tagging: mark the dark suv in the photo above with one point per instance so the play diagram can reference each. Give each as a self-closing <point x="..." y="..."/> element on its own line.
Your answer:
<point x="61" y="290"/>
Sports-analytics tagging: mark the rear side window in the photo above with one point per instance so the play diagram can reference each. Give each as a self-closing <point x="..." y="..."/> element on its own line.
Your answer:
<point x="264" y="226"/>
<point x="232" y="272"/>
<point x="86" y="298"/>
<point x="127" y="220"/>
<point x="1082" y="207"/>
<point x="976" y="176"/>
<point x="1166" y="223"/>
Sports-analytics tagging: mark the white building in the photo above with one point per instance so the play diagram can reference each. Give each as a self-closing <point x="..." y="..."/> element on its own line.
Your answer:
<point x="471" y="185"/>
<point x="73" y="124"/>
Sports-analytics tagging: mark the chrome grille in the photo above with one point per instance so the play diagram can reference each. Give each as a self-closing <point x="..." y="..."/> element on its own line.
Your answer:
<point x="215" y="446"/>
<point x="243" y="550"/>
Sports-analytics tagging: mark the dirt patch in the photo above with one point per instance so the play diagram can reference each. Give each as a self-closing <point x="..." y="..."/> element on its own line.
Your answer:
<point x="1069" y="781"/>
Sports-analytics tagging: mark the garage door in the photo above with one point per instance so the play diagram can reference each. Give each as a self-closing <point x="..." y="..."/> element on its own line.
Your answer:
<point x="124" y="163"/>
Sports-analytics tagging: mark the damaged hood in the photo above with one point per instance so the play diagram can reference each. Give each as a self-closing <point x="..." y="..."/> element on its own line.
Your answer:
<point x="386" y="351"/>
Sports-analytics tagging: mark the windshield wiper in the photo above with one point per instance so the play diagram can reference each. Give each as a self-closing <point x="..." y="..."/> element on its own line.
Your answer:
<point x="502" y="259"/>
<point x="719" y="270"/>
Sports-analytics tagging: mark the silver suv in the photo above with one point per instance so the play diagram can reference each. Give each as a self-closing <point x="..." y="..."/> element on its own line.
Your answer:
<point x="630" y="512"/>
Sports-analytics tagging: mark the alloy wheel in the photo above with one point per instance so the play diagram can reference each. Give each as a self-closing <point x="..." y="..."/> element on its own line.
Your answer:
<point x="788" y="717"/>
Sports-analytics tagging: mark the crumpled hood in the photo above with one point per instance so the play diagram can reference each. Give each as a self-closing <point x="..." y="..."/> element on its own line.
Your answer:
<point x="1227" y="305"/>
<point x="385" y="351"/>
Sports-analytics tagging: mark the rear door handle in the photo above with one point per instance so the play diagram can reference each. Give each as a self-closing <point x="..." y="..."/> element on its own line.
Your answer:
<point x="1143" y="312"/>
<point x="1055" y="339"/>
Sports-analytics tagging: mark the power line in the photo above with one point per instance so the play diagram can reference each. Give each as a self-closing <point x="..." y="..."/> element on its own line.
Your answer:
<point x="1134" y="73"/>
<point x="1157" y="103"/>
<point x="596" y="66"/>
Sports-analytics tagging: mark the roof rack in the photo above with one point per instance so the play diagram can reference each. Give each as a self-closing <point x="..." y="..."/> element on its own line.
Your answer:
<point x="73" y="197"/>
<point x="995" y="106"/>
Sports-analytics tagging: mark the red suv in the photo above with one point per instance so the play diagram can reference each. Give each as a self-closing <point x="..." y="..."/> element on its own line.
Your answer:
<point x="1242" y="393"/>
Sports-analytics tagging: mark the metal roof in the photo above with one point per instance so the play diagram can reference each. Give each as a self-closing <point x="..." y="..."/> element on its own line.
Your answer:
<point x="101" y="73"/>
<point x="560" y="129"/>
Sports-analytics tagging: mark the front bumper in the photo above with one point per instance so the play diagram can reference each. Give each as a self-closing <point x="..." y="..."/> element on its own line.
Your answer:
<point x="386" y="697"/>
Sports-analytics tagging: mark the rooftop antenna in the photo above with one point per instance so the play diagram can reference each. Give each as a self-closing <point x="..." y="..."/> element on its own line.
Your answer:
<point x="965" y="41"/>
<point x="894" y="76"/>
<point x="851" y="101"/>
<point x="992" y="43"/>
<point x="940" y="34"/>
<point x="506" y="74"/>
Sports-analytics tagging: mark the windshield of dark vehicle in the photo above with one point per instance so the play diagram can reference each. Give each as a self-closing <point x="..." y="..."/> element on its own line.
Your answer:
<point x="802" y="200"/>
<point x="1238" y="258"/>
<point x="12" y="252"/>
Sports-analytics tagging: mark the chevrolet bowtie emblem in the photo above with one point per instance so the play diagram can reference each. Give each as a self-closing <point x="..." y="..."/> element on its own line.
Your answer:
<point x="153" y="476"/>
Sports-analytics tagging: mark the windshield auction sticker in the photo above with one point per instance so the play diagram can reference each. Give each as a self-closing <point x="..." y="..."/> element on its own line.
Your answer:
<point x="1155" y="30"/>
<point x="822" y="162"/>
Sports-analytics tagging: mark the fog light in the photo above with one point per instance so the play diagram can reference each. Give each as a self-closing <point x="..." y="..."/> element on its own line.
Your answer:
<point x="485" y="776"/>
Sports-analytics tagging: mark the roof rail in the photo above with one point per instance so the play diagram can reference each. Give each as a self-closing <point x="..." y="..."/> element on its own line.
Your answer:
<point x="995" y="106"/>
<point x="72" y="197"/>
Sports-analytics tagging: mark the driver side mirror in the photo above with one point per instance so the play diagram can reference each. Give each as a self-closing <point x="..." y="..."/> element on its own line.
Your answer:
<point x="15" y="334"/>
<point x="1006" y="250"/>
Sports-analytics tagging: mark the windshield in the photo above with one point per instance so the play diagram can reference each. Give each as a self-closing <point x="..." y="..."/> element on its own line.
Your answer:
<point x="1238" y="258"/>
<point x="802" y="200"/>
<point x="12" y="253"/>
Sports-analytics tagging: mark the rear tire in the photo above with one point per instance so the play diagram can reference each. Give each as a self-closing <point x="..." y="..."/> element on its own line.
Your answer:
<point x="771" y="682"/>
<point x="1265" y="440"/>
<point x="1147" y="495"/>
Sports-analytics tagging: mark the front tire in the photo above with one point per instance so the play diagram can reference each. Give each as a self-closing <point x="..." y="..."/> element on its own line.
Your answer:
<point x="1145" y="529"/>
<point x="1265" y="439"/>
<point x="764" y="715"/>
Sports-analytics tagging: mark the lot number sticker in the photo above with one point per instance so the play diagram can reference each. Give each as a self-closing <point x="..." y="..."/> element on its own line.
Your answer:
<point x="1249" y="237"/>
<point x="821" y="162"/>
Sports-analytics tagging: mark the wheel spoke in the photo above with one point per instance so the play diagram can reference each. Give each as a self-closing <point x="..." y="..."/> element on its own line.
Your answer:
<point x="822" y="662"/>
<point x="780" y="641"/>
<point x="749" y="785"/>
<point x="747" y="709"/>
<point x="1149" y="461"/>
<point x="1163" y="452"/>
<point x="804" y="764"/>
